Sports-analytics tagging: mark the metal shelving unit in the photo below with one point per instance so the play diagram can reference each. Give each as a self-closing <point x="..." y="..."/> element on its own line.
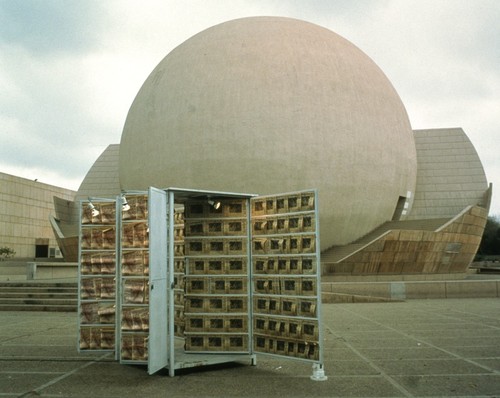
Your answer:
<point x="97" y="272"/>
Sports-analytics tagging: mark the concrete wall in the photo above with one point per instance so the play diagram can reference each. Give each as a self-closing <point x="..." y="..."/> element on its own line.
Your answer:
<point x="411" y="290"/>
<point x="25" y="207"/>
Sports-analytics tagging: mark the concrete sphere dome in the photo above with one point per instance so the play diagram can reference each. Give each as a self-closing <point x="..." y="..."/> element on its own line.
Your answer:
<point x="270" y="105"/>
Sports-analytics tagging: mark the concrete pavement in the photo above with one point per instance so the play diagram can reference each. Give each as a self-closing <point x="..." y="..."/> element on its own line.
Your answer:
<point x="418" y="348"/>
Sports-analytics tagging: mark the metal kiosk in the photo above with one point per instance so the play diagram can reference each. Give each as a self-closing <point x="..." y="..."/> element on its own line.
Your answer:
<point x="177" y="278"/>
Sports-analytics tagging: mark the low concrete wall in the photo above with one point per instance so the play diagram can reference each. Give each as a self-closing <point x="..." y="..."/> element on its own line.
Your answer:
<point x="46" y="270"/>
<point x="396" y="278"/>
<point x="473" y="289"/>
<point x="11" y="268"/>
<point x="403" y="290"/>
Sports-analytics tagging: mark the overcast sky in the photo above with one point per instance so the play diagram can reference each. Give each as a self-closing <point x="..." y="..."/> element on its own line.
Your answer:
<point x="69" y="70"/>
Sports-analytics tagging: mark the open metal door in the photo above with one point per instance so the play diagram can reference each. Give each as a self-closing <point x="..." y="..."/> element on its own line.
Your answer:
<point x="158" y="330"/>
<point x="286" y="290"/>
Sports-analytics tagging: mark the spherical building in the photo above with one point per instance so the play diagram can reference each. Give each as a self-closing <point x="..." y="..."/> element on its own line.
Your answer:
<point x="271" y="105"/>
<point x="268" y="105"/>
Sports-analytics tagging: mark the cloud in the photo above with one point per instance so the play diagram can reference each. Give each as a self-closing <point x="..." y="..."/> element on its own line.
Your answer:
<point x="43" y="111"/>
<point x="51" y="27"/>
<point x="70" y="70"/>
<point x="43" y="103"/>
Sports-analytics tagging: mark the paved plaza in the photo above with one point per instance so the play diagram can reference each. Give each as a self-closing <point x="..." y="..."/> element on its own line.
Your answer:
<point x="420" y="348"/>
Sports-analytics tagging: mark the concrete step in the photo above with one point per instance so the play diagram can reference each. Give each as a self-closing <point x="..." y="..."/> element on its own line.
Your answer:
<point x="40" y="292"/>
<point x="38" y="307"/>
<point x="38" y="284"/>
<point x="47" y="301"/>
<point x="38" y="296"/>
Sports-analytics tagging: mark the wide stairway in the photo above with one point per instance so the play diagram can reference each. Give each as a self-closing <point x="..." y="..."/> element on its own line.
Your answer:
<point x="38" y="296"/>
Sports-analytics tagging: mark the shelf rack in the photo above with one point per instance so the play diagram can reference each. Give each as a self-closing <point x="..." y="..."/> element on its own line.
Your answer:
<point x="97" y="272"/>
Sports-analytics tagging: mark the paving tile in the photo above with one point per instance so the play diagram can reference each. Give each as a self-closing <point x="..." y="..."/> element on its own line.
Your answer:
<point x="452" y="385"/>
<point x="338" y="353"/>
<point x="383" y="343"/>
<point x="429" y="367"/>
<point x="38" y="352"/>
<point x="42" y="339"/>
<point x="404" y="353"/>
<point x="492" y="351"/>
<point x="20" y="383"/>
<point x="41" y="365"/>
<point x="337" y="368"/>
<point x="492" y="363"/>
<point x="450" y="342"/>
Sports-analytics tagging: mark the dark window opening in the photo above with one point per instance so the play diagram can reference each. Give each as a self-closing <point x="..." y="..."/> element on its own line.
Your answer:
<point x="399" y="209"/>
<point x="42" y="251"/>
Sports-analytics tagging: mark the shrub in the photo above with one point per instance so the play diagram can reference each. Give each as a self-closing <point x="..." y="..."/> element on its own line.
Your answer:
<point x="6" y="252"/>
